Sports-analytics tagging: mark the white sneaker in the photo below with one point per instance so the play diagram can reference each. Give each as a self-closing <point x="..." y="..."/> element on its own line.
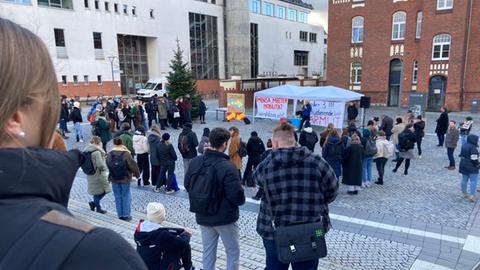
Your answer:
<point x="419" y="157"/>
<point x="81" y="141"/>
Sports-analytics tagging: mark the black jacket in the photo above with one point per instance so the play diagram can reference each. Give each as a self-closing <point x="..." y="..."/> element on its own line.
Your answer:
<point x="387" y="125"/>
<point x="64" y="112"/>
<point x="202" y="108"/>
<point x="352" y="112"/>
<point x="308" y="139"/>
<point x="442" y="124"/>
<point x="192" y="142"/>
<point x="469" y="156"/>
<point x="151" y="112"/>
<point x="255" y="148"/>
<point x="419" y="128"/>
<point x="76" y="115"/>
<point x="153" y="142"/>
<point x="34" y="182"/>
<point x="166" y="154"/>
<point x="232" y="192"/>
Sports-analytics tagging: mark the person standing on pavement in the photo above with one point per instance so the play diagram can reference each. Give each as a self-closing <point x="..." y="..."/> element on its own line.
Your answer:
<point x="406" y="143"/>
<point x="332" y="152"/>
<point x="76" y="118"/>
<point x="451" y="141"/>
<point x="126" y="137"/>
<point x="154" y="139"/>
<point x="122" y="167"/>
<point x="141" y="147"/>
<point x="370" y="150"/>
<point x="306" y="112"/>
<point x="313" y="182"/>
<point x="442" y="126"/>
<point x="151" y="112"/>
<point x="187" y="104"/>
<point x="202" y="110"/>
<point x="187" y="145"/>
<point x="103" y="128"/>
<point x="352" y="165"/>
<point x="265" y="154"/>
<point x="324" y="134"/>
<point x="234" y="149"/>
<point x="168" y="157"/>
<point x="352" y="112"/>
<point x="97" y="184"/>
<point x="397" y="129"/>
<point x="64" y="117"/>
<point x="465" y="128"/>
<point x="309" y="138"/>
<point x="469" y="165"/>
<point x="222" y="223"/>
<point x="385" y="149"/>
<point x="419" y="131"/>
<point x="205" y="141"/>
<point x="162" y="113"/>
<point x="255" y="149"/>
<point x="386" y="126"/>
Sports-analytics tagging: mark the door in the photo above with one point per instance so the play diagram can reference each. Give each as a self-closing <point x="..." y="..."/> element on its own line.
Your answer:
<point x="394" y="78"/>
<point x="436" y="93"/>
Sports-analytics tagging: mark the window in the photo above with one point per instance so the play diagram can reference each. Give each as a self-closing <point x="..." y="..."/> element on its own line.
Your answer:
<point x="97" y="40"/>
<point x="64" y="79"/>
<point x="313" y="37"/>
<point x="418" y="29"/>
<point x="268" y="8"/>
<point x="134" y="11"/>
<point x="303" y="36"/>
<point x="292" y="14"/>
<point x="357" y="29"/>
<point x="398" y="25"/>
<point x="107" y="7"/>
<point x="356" y="73"/>
<point x="441" y="47"/>
<point x="66" y="4"/>
<point x="151" y="14"/>
<point x="19" y="1"/>
<point x="86" y="4"/>
<point x="255" y="6"/>
<point x="75" y="79"/>
<point x="300" y="58"/>
<point x="97" y="5"/>
<point x="253" y="50"/>
<point x="115" y="7"/>
<point x="85" y="79"/>
<point x="125" y="9"/>
<point x="415" y="72"/>
<point x="281" y="12"/>
<point x="99" y="79"/>
<point x="59" y="37"/>
<point x="302" y="17"/>
<point x="444" y="4"/>
<point x="204" y="46"/>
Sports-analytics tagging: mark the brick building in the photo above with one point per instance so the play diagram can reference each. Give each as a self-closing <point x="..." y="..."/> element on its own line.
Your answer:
<point x="383" y="47"/>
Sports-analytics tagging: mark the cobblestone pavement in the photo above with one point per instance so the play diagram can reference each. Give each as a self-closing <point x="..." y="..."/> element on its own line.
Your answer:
<point x="419" y="221"/>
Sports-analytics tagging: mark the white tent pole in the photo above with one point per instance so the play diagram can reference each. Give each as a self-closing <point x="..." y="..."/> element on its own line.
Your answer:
<point x="295" y="101"/>
<point x="254" y="100"/>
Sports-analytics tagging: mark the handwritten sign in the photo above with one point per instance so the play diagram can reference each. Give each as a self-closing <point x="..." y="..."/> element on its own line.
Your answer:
<point x="235" y="103"/>
<point x="326" y="112"/>
<point x="273" y="108"/>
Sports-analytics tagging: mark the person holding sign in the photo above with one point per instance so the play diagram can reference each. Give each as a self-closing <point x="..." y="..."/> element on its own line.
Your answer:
<point x="306" y="112"/>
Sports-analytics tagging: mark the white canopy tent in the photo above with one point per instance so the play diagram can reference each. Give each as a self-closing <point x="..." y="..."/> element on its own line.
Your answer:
<point x="320" y="93"/>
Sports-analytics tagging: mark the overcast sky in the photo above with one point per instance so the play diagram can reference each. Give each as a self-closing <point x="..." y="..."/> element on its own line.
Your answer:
<point x="320" y="13"/>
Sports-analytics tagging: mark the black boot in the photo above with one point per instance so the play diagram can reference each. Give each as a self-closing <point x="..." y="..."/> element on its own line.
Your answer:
<point x="92" y="206"/>
<point x="101" y="211"/>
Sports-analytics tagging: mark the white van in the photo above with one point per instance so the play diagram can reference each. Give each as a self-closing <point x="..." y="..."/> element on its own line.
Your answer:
<point x="153" y="87"/>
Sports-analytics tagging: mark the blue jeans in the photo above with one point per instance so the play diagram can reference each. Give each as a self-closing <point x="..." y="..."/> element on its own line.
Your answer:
<point x="441" y="139"/>
<point x="97" y="198"/>
<point x="473" y="183"/>
<point x="78" y="131"/>
<point x="367" y="169"/>
<point x="463" y="139"/>
<point x="63" y="126"/>
<point x="450" y="157"/>
<point x="272" y="262"/>
<point x="123" y="199"/>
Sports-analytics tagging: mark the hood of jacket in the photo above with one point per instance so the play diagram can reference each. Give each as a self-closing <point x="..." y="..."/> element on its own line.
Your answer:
<point x="473" y="139"/>
<point x="92" y="147"/>
<point x="138" y="138"/>
<point x="288" y="157"/>
<point x="366" y="133"/>
<point x="146" y="233"/>
<point x="38" y="172"/>
<point x="186" y="130"/>
<point x="154" y="137"/>
<point x="308" y="130"/>
<point x="333" y="140"/>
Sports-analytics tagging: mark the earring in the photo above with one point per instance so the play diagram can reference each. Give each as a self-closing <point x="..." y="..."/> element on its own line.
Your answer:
<point x="21" y="134"/>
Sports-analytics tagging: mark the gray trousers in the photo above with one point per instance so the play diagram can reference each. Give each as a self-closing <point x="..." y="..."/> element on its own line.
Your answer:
<point x="230" y="239"/>
<point x="186" y="164"/>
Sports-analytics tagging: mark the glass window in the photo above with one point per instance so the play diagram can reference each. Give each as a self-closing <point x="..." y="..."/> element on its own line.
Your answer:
<point x="281" y="12"/>
<point x="303" y="36"/>
<point x="66" y="4"/>
<point x="441" y="47"/>
<point x="107" y="7"/>
<point x="204" y="46"/>
<point x="99" y="79"/>
<point x="415" y="72"/>
<point x="444" y="4"/>
<point x="134" y="11"/>
<point x="115" y="7"/>
<point x="268" y="9"/>
<point x="125" y="9"/>
<point x="151" y="14"/>
<point x="97" y="4"/>
<point x="418" y="29"/>
<point x="19" y="1"/>
<point x="85" y="79"/>
<point x="64" y="79"/>
<point x="300" y="58"/>
<point x="356" y="73"/>
<point x="357" y="29"/>
<point x="292" y="14"/>
<point x="59" y="37"/>
<point x="398" y="25"/>
<point x="75" y="79"/>
<point x="97" y="40"/>
<point x="255" y="6"/>
<point x="86" y="4"/>
<point x="313" y="37"/>
<point x="302" y="17"/>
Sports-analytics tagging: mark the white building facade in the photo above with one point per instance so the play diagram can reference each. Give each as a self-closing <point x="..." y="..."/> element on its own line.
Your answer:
<point x="136" y="39"/>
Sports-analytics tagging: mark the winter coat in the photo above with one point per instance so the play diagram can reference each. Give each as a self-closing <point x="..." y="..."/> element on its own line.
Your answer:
<point x="64" y="112"/>
<point x="103" y="128"/>
<point x="151" y="112"/>
<point x="76" y="115"/>
<point x="188" y="151"/>
<point x="306" y="110"/>
<point x="166" y="154"/>
<point x="233" y="150"/>
<point x="442" y="124"/>
<point x="154" y="140"/>
<point x="367" y="135"/>
<point x="352" y="112"/>
<point x="465" y="127"/>
<point x="98" y="183"/>
<point x="232" y="194"/>
<point x="36" y="188"/>
<point x="352" y="165"/>
<point x="397" y="129"/>
<point x="323" y="136"/>
<point x="140" y="144"/>
<point x="451" y="139"/>
<point x="407" y="153"/>
<point x="131" y="164"/>
<point x="419" y="129"/>
<point x="469" y="156"/>
<point x="137" y="113"/>
<point x="336" y="164"/>
<point x="202" y="108"/>
<point x="127" y="140"/>
<point x="161" y="248"/>
<point x="308" y="138"/>
<point x="204" y="142"/>
<point x="162" y="110"/>
<point x="255" y="149"/>
<point x="387" y="125"/>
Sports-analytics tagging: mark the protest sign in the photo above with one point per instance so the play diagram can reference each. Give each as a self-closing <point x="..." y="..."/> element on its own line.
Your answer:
<point x="326" y="112"/>
<point x="273" y="108"/>
<point x="235" y="103"/>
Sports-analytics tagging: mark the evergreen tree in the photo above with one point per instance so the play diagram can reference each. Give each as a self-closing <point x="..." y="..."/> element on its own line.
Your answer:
<point x="180" y="78"/>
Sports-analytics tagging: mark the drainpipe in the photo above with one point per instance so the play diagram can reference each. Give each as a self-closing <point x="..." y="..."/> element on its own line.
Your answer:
<point x="467" y="46"/>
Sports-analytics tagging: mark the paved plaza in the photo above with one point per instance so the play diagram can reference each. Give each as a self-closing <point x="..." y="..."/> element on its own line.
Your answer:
<point x="419" y="221"/>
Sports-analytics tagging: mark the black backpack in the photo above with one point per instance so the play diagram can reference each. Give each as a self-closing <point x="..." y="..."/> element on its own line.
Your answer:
<point x="184" y="143"/>
<point x="203" y="189"/>
<point x="370" y="147"/>
<point x="404" y="142"/>
<point x="242" y="151"/>
<point x="335" y="151"/>
<point x="87" y="166"/>
<point x="117" y="166"/>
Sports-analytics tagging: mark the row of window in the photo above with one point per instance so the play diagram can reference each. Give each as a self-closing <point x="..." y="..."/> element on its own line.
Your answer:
<point x="61" y="44"/>
<point x="116" y="7"/>
<point x="441" y="4"/>
<point x="304" y="36"/>
<point x="356" y="72"/>
<point x="441" y="42"/>
<point x="272" y="10"/>
<point x="85" y="80"/>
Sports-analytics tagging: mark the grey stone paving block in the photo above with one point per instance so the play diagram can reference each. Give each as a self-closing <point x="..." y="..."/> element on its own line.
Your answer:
<point x="427" y="257"/>
<point x="446" y="263"/>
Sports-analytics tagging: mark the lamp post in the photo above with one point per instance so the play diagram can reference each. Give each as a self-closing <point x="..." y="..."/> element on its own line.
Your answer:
<point x="112" y="59"/>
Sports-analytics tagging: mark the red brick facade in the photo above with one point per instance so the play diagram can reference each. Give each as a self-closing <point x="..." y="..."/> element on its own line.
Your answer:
<point x="378" y="49"/>
<point x="93" y="89"/>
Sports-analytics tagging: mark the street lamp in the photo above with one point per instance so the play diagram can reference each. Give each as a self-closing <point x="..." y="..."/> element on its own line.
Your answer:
<point x="112" y="59"/>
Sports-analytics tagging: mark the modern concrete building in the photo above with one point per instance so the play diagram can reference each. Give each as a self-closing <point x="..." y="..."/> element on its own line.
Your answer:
<point x="88" y="39"/>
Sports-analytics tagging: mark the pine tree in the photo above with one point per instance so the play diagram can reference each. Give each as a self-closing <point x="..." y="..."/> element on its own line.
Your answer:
<point x="180" y="78"/>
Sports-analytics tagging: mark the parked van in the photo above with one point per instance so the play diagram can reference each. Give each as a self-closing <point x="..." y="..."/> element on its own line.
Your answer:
<point x="153" y="87"/>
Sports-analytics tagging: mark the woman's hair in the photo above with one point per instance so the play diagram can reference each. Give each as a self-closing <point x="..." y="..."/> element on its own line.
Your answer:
<point x="409" y="126"/>
<point x="269" y="143"/>
<point x="399" y="120"/>
<point x="419" y="117"/>
<point x="370" y="123"/>
<point x="355" y="139"/>
<point x="334" y="133"/>
<point x="102" y="114"/>
<point x="117" y="141"/>
<point x="96" y="140"/>
<point x="27" y="79"/>
<point x="330" y="126"/>
<point x="141" y="130"/>
<point x="206" y="132"/>
<point x="235" y="130"/>
<point x="155" y="128"/>
<point x="345" y="132"/>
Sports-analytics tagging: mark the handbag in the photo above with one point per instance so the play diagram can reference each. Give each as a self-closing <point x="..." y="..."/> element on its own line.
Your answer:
<point x="176" y="115"/>
<point x="298" y="242"/>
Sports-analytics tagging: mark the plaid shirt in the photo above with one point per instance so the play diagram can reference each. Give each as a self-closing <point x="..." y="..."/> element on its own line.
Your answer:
<point x="300" y="186"/>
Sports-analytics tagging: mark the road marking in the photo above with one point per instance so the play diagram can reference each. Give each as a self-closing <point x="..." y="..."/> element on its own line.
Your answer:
<point x="472" y="244"/>
<point x="423" y="265"/>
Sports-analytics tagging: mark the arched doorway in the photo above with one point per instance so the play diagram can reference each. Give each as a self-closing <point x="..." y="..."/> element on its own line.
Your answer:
<point x="394" y="80"/>
<point x="436" y="93"/>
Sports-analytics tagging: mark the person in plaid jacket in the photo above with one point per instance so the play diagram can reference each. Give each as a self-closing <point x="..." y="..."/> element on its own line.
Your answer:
<point x="300" y="185"/>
